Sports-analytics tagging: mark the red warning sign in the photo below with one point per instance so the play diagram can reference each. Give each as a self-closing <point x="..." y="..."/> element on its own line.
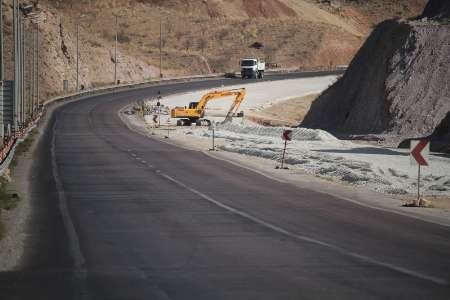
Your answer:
<point x="419" y="152"/>
<point x="287" y="135"/>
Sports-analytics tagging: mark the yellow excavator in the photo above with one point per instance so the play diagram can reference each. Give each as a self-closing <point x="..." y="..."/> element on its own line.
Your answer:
<point x="195" y="112"/>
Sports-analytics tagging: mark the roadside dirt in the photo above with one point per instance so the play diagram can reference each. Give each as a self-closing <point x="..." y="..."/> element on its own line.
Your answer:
<point x="12" y="245"/>
<point x="284" y="113"/>
<point x="19" y="229"/>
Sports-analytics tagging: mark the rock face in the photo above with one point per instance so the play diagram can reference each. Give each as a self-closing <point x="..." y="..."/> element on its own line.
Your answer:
<point x="440" y="139"/>
<point x="437" y="9"/>
<point x="398" y="84"/>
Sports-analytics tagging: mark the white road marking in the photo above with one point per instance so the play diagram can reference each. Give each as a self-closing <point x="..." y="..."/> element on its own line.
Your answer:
<point x="67" y="220"/>
<point x="422" y="218"/>
<point x="73" y="240"/>
<point x="293" y="235"/>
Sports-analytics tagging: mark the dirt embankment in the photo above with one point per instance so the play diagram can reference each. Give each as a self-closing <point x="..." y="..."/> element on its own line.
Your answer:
<point x="285" y="113"/>
<point x="397" y="84"/>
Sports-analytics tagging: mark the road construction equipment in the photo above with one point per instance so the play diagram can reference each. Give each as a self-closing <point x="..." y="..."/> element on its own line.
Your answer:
<point x="196" y="110"/>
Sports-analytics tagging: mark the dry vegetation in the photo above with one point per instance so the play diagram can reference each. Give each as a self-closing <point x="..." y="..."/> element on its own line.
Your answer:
<point x="197" y="36"/>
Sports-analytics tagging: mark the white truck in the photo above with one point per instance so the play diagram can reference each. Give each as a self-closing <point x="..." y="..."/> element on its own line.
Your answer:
<point x="252" y="68"/>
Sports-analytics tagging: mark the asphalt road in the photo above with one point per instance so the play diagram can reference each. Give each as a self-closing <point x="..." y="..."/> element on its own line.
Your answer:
<point x="121" y="216"/>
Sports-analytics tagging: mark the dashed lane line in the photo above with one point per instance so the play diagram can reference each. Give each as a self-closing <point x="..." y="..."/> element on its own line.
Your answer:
<point x="293" y="235"/>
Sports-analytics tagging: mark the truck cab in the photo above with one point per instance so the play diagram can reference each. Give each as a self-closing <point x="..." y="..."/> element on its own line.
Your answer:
<point x="252" y="68"/>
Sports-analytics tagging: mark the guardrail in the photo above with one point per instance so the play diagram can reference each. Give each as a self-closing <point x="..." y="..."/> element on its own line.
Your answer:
<point x="8" y="150"/>
<point x="9" y="147"/>
<point x="128" y="86"/>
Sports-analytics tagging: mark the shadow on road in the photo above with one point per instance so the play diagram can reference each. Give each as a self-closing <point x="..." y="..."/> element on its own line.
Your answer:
<point x="365" y="150"/>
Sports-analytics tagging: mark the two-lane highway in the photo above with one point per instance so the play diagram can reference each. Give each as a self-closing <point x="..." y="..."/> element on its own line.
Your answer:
<point x="122" y="216"/>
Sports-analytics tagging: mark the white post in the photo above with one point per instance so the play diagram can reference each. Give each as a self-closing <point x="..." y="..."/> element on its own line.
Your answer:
<point x="115" y="52"/>
<point x="418" y="186"/>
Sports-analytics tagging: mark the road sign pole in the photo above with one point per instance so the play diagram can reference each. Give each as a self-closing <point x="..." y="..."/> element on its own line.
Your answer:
<point x="284" y="153"/>
<point x="286" y="136"/>
<point x="159" y="116"/>
<point x="418" y="186"/>
<point x="214" y="137"/>
<point x="420" y="150"/>
<point x="168" y="129"/>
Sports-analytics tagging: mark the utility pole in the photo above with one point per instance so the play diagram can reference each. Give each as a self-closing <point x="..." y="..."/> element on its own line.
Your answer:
<point x="33" y="71"/>
<point x="35" y="81"/>
<point x="115" y="51"/>
<point x="78" y="55"/>
<point x="22" y="70"/>
<point x="160" y="44"/>
<point x="29" y="48"/>
<point x="26" y="73"/>
<point x="16" y="63"/>
<point x="18" y="66"/>
<point x="37" y="67"/>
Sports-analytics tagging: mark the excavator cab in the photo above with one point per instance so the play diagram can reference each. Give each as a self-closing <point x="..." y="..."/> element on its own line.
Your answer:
<point x="193" y="105"/>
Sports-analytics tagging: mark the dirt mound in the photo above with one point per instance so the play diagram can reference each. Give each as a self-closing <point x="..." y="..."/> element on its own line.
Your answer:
<point x="397" y="85"/>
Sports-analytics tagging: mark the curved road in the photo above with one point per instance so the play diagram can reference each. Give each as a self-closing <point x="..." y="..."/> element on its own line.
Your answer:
<point x="121" y="216"/>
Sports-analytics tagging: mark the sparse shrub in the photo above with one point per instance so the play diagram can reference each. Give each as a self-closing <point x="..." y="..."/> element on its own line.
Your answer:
<point x="202" y="44"/>
<point x="95" y="44"/>
<point x="107" y="35"/>
<point x="23" y="147"/>
<point x="7" y="200"/>
<point x="2" y="228"/>
<point x="123" y="38"/>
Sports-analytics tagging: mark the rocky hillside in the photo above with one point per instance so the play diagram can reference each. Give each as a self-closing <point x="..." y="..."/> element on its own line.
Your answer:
<point x="437" y="10"/>
<point x="198" y="36"/>
<point x="369" y="13"/>
<point x="397" y="84"/>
